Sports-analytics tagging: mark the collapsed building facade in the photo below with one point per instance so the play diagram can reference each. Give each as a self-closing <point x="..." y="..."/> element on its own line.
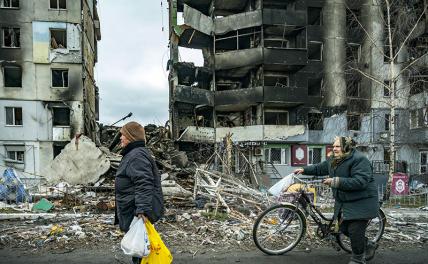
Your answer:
<point x="47" y="87"/>
<point x="282" y="78"/>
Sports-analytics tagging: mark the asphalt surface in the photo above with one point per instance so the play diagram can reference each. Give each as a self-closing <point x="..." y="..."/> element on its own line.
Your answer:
<point x="318" y="256"/>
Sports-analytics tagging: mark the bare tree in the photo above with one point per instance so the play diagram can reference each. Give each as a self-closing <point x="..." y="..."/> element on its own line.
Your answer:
<point x="403" y="20"/>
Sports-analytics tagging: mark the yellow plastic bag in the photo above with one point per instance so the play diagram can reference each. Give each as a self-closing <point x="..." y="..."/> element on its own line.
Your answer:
<point x="159" y="253"/>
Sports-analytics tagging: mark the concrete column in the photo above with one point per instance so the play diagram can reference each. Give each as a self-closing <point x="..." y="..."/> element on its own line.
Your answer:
<point x="334" y="52"/>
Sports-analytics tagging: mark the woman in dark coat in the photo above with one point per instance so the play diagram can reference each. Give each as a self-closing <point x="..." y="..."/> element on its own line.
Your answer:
<point x="137" y="186"/>
<point x="355" y="193"/>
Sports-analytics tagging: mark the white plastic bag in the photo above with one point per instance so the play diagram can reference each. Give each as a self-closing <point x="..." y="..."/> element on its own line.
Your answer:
<point x="281" y="185"/>
<point x="136" y="241"/>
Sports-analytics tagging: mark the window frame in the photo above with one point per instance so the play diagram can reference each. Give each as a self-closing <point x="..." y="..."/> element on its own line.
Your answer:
<point x="276" y="111"/>
<point x="50" y="38"/>
<point x="348" y="48"/>
<point x="16" y="155"/>
<point x="4" y="75"/>
<point x="425" y="165"/>
<point x="53" y="116"/>
<point x="58" y="5"/>
<point x="14" y="116"/>
<point x="62" y="75"/>
<point x="284" y="155"/>
<point x="348" y="122"/>
<point x="321" y="18"/>
<point x="321" y="51"/>
<point x="9" y="7"/>
<point x="310" y="155"/>
<point x="321" y="82"/>
<point x="3" y="31"/>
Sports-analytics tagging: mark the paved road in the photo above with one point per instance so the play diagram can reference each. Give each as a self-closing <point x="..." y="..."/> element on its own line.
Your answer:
<point x="319" y="256"/>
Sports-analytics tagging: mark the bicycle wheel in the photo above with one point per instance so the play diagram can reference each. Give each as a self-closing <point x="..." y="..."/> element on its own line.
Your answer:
<point x="279" y="229"/>
<point x="374" y="232"/>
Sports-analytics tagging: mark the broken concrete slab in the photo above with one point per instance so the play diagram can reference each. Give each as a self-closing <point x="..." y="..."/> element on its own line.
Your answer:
<point x="80" y="162"/>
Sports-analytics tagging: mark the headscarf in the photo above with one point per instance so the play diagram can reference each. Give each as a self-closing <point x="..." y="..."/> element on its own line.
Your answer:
<point x="347" y="144"/>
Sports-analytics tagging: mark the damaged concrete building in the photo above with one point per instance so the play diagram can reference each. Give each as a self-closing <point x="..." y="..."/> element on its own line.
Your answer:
<point x="48" y="50"/>
<point x="283" y="77"/>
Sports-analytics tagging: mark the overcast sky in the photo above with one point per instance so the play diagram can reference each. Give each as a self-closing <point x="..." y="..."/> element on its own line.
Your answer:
<point x="132" y="56"/>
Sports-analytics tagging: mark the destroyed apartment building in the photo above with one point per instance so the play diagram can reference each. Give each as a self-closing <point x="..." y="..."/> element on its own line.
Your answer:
<point x="48" y="49"/>
<point x="282" y="78"/>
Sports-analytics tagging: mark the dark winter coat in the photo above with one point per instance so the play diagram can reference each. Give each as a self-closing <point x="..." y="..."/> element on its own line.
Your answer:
<point x="354" y="189"/>
<point x="137" y="186"/>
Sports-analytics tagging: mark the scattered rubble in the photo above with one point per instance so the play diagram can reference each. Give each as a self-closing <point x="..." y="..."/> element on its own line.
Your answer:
<point x="206" y="208"/>
<point x="80" y="162"/>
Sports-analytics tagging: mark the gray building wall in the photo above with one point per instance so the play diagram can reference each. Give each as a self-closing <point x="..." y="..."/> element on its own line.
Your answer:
<point x="37" y="98"/>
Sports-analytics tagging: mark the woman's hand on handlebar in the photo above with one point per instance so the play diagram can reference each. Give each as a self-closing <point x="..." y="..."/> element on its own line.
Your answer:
<point x="298" y="171"/>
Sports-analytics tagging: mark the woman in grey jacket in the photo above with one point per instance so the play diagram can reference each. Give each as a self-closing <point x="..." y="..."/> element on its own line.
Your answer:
<point x="137" y="186"/>
<point x="355" y="193"/>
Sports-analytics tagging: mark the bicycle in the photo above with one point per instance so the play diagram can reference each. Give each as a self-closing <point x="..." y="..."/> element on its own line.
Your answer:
<point x="280" y="228"/>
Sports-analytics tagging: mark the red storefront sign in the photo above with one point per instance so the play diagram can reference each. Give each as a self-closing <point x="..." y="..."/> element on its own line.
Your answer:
<point x="400" y="184"/>
<point x="299" y="155"/>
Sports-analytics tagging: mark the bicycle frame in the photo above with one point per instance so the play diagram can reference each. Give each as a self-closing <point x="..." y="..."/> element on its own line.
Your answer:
<point x="304" y="203"/>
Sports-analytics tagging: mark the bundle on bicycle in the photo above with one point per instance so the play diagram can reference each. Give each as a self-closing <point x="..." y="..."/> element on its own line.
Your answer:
<point x="357" y="223"/>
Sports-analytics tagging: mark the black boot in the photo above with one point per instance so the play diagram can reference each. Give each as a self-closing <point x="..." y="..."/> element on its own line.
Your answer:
<point x="371" y="250"/>
<point x="357" y="259"/>
<point x="136" y="260"/>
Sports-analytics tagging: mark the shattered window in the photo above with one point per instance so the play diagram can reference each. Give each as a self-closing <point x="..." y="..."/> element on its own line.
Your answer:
<point x="387" y="89"/>
<point x="11" y="37"/>
<point x="387" y="53"/>
<point x="14" y="116"/>
<point x="315" y="87"/>
<point x="61" y="116"/>
<point x="388" y="119"/>
<point x="10" y="4"/>
<point x="314" y="16"/>
<point x="59" y="77"/>
<point x="354" y="122"/>
<point x="58" y="4"/>
<point x="315" y="121"/>
<point x="315" y="50"/>
<point x="353" y="88"/>
<point x="353" y="52"/>
<point x="58" y="38"/>
<point x="276" y="117"/>
<point x="418" y="83"/>
<point x="352" y="18"/>
<point x="57" y="148"/>
<point x="12" y="76"/>
<point x="276" y="80"/>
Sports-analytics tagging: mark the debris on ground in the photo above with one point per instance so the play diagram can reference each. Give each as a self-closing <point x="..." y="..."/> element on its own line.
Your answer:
<point x="207" y="208"/>
<point x="80" y="162"/>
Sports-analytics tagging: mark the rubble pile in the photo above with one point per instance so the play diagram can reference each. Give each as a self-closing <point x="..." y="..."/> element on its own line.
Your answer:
<point x="205" y="209"/>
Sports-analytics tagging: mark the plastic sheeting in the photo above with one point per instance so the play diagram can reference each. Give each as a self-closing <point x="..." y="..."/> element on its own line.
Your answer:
<point x="11" y="188"/>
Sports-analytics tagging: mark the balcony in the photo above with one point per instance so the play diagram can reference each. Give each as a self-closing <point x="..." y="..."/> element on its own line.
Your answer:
<point x="271" y="133"/>
<point x="292" y="95"/>
<point x="193" y="95"/>
<point x="284" y="17"/>
<point x="274" y="58"/>
<point x="239" y="99"/>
